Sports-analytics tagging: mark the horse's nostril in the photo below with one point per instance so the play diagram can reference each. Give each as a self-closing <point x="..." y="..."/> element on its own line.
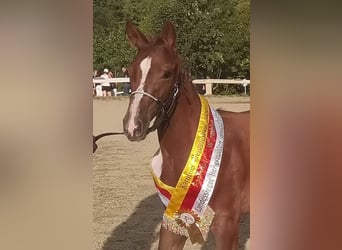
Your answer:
<point x="134" y="131"/>
<point x="139" y="129"/>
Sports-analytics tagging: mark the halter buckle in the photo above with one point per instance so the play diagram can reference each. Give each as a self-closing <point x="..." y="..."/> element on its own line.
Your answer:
<point x="176" y="91"/>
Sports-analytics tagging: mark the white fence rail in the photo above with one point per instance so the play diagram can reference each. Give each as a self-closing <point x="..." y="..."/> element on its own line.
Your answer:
<point x="208" y="83"/>
<point x="98" y="81"/>
<point x="111" y="80"/>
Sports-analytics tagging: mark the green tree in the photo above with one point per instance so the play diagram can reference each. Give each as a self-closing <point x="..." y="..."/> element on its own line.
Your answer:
<point x="213" y="36"/>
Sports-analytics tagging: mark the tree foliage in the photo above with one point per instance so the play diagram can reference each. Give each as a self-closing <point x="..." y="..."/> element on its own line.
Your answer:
<point x="212" y="36"/>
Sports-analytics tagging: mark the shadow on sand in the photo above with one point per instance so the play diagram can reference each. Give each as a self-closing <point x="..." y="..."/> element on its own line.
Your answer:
<point x="139" y="230"/>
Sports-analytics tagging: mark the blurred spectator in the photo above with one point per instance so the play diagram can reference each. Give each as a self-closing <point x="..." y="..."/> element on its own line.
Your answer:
<point x="124" y="71"/>
<point x="94" y="85"/>
<point x="105" y="74"/>
<point x="106" y="87"/>
<point x="127" y="85"/>
<point x="95" y="73"/>
<point x="113" y="84"/>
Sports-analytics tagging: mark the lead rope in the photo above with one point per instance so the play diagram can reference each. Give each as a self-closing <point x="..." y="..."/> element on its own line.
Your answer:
<point x="97" y="137"/>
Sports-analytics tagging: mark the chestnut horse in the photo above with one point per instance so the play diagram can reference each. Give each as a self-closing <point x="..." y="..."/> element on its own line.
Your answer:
<point x="163" y="98"/>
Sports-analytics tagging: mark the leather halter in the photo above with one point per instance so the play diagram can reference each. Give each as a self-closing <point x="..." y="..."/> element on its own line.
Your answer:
<point x="165" y="112"/>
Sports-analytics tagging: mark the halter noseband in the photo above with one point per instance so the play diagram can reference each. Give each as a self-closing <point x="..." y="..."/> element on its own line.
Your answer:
<point x="162" y="105"/>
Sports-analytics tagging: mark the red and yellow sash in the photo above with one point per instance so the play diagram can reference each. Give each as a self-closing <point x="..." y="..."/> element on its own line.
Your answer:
<point x="187" y="212"/>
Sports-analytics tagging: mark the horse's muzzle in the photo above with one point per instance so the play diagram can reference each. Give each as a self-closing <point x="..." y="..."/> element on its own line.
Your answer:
<point x="136" y="133"/>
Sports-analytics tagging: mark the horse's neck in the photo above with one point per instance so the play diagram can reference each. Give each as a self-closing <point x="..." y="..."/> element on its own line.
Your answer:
<point x="177" y="139"/>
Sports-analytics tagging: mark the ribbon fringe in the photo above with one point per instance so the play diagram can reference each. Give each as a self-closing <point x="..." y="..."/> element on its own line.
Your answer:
<point x="203" y="226"/>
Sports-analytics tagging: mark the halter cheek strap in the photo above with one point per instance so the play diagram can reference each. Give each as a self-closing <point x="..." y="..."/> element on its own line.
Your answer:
<point x="145" y="93"/>
<point x="164" y="112"/>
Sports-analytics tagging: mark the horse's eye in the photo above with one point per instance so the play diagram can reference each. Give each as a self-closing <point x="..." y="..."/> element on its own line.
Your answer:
<point x="166" y="75"/>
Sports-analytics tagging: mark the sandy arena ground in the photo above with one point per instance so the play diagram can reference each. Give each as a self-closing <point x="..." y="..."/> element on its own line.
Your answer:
<point x="126" y="209"/>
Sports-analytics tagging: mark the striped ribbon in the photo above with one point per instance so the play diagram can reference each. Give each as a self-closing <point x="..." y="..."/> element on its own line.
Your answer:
<point x="187" y="211"/>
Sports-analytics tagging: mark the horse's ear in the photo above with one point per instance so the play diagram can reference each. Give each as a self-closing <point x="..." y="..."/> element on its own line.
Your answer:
<point x="169" y="34"/>
<point x="135" y="36"/>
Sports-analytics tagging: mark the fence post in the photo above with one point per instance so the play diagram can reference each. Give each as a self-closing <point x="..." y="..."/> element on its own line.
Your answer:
<point x="244" y="83"/>
<point x="208" y="88"/>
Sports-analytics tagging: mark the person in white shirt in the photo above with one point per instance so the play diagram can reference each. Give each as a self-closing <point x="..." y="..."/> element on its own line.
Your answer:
<point x="106" y="87"/>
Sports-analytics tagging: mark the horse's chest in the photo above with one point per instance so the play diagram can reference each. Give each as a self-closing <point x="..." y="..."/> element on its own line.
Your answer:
<point x="163" y="166"/>
<point x="157" y="163"/>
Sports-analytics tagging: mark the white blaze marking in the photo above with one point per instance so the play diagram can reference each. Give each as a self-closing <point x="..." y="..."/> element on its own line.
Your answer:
<point x="145" y="66"/>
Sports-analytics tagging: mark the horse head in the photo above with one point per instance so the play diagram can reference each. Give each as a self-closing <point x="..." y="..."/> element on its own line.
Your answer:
<point x="154" y="76"/>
